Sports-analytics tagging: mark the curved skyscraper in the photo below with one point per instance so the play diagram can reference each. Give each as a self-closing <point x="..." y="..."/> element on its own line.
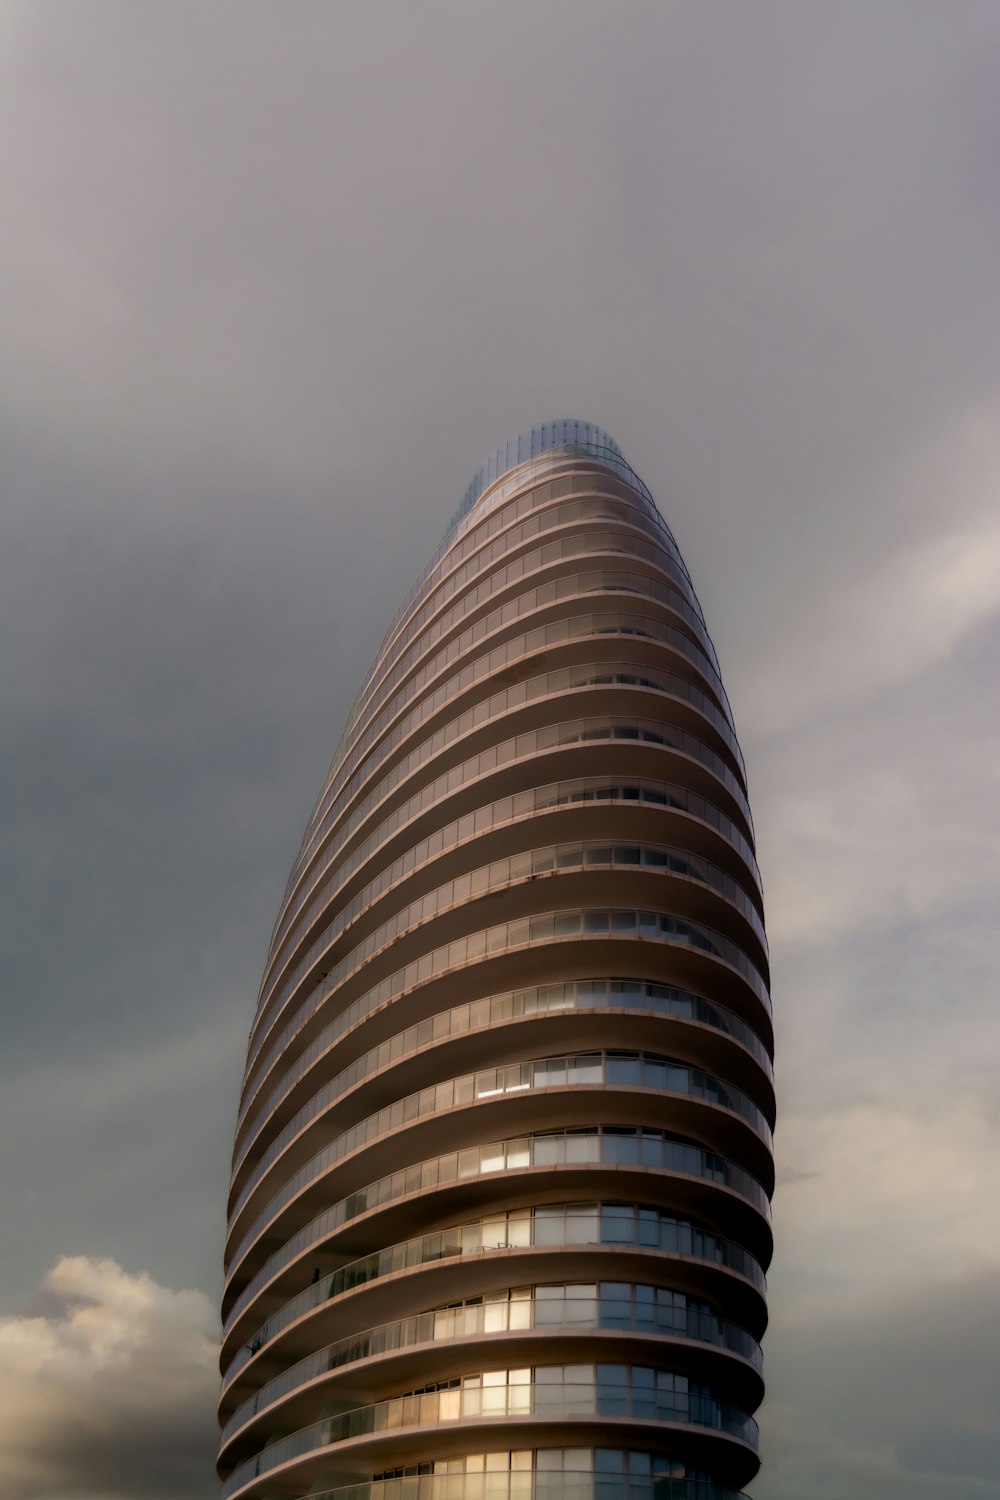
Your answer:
<point x="499" y="1215"/>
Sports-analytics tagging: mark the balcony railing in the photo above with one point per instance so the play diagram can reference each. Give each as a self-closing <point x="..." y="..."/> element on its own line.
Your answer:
<point x="594" y="1399"/>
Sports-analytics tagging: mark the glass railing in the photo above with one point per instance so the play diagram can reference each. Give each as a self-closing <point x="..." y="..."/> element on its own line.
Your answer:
<point x="557" y="631"/>
<point x="621" y="542"/>
<point x="543" y="637"/>
<point x="530" y="446"/>
<point x="365" y="758"/>
<point x="482" y="820"/>
<point x="474" y="824"/>
<point x="545" y="927"/>
<point x="499" y="513"/>
<point x="598" y="1398"/>
<point x="549" y="448"/>
<point x="577" y="628"/>
<point x="569" y="502"/>
<point x="564" y="502"/>
<point x="547" y="1309"/>
<point x="520" y="747"/>
<point x="523" y="567"/>
<point x="472" y="522"/>
<point x="555" y="1225"/>
<point x="597" y="1069"/>
<point x="542" y="596"/>
<point x="532" y="1484"/>
<point x="493" y="1010"/>
<point x="619" y="1146"/>
<point x="497" y="875"/>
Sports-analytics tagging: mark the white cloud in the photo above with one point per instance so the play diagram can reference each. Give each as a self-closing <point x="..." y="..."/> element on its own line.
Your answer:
<point x="856" y="1219"/>
<point x="107" y="1391"/>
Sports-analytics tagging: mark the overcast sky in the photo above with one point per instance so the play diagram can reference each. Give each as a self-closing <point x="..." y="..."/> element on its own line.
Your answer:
<point x="275" y="279"/>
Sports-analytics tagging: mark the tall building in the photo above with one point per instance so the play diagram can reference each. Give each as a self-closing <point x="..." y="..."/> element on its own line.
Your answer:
<point x="499" y="1214"/>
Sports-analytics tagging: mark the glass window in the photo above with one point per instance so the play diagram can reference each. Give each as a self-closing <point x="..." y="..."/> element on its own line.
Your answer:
<point x="609" y="1461"/>
<point x="622" y="1070"/>
<point x="584" y="1069"/>
<point x="549" y="1226"/>
<point x="581" y="1227"/>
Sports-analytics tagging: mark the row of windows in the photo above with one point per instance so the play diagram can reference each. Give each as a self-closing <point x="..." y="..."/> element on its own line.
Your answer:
<point x="606" y="1305"/>
<point x="574" y="544"/>
<point x="496" y="516"/>
<point x="579" y="1390"/>
<point x="613" y="1378"/>
<point x="615" y="1070"/>
<point x="556" y="1225"/>
<point x="313" y="899"/>
<point x="603" y="581"/>
<point x="578" y="627"/>
<point x="546" y="513"/>
<point x="524" y="746"/>
<point x="542" y="637"/>
<point x="475" y="824"/>
<point x="549" y="1460"/>
<point x="497" y="875"/>
<point x="543" y="928"/>
<point x="631" y="994"/>
<point x="343" y="793"/>
<point x="545" y="685"/>
<point x="604" y="1146"/>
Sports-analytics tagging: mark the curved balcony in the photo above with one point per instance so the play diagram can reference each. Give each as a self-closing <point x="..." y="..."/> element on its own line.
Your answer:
<point x="447" y="667"/>
<point x="559" y="556"/>
<point x="495" y="1013"/>
<point x="335" y="878"/>
<point x="562" y="680"/>
<point x="494" y="577"/>
<point x="506" y="554"/>
<point x="547" y="1309"/>
<point x="526" y="864"/>
<point x="582" y="924"/>
<point x="541" y="509"/>
<point x="501" y="705"/>
<point x="606" y="1146"/>
<point x="534" y="1484"/>
<point x="498" y="821"/>
<point x="554" y="1001"/>
<point x="635" y="1071"/>
<point x="567" y="588"/>
<point x="525" y="492"/>
<point x="476" y="1407"/>
<point x="500" y="755"/>
<point x="336" y="875"/>
<point x="578" y="1228"/>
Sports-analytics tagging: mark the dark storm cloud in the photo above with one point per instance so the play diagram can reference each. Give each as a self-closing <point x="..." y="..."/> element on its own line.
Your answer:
<point x="902" y="1400"/>
<point x="277" y="279"/>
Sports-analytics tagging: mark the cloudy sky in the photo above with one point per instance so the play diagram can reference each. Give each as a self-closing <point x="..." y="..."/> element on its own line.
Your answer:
<point x="275" y="279"/>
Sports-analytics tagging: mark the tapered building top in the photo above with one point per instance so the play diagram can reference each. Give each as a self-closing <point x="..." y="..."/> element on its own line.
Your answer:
<point x="500" y="1204"/>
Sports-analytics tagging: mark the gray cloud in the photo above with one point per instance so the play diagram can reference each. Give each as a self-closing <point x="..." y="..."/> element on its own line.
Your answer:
<point x="903" y="1400"/>
<point x="276" y="280"/>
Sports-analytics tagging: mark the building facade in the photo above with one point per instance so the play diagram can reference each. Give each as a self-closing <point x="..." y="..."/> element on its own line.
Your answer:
<point x="499" y="1215"/>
